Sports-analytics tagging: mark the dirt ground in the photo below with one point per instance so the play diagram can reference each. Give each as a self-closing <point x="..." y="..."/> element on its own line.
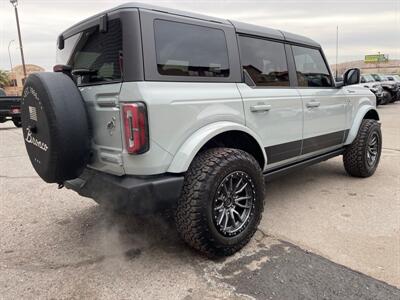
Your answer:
<point x="323" y="235"/>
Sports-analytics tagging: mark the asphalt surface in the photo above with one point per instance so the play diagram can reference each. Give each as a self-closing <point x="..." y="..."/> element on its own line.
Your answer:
<point x="323" y="235"/>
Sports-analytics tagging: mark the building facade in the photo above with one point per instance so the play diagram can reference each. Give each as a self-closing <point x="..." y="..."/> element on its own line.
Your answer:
<point x="17" y="78"/>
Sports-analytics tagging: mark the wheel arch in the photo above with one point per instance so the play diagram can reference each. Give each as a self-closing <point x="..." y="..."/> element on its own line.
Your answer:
<point x="220" y="134"/>
<point x="365" y="112"/>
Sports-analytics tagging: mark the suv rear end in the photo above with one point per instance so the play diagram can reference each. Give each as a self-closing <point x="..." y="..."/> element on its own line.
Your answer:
<point x="98" y="46"/>
<point x="138" y="118"/>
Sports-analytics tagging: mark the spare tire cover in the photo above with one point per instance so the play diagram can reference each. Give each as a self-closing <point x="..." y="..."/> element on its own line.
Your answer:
<point x="55" y="126"/>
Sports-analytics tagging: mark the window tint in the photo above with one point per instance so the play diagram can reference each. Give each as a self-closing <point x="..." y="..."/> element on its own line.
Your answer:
<point x="265" y="61"/>
<point x="311" y="68"/>
<point x="190" y="50"/>
<point x="99" y="53"/>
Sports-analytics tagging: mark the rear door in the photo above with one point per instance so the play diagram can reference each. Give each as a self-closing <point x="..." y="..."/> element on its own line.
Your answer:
<point x="273" y="109"/>
<point x="95" y="58"/>
<point x="324" y="105"/>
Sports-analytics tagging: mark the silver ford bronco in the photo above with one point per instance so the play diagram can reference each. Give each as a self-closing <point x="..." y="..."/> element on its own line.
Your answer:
<point x="151" y="108"/>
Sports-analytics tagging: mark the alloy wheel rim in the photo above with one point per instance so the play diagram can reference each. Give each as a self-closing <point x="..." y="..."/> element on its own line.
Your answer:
<point x="372" y="149"/>
<point x="233" y="203"/>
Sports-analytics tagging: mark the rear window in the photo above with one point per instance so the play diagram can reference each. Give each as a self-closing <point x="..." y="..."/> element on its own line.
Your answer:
<point x="98" y="55"/>
<point x="190" y="50"/>
<point x="265" y="61"/>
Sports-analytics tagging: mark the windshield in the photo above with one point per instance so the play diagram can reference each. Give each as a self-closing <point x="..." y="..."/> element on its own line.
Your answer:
<point x="368" y="78"/>
<point x="378" y="77"/>
<point x="383" y="77"/>
<point x="96" y="57"/>
<point x="396" y="77"/>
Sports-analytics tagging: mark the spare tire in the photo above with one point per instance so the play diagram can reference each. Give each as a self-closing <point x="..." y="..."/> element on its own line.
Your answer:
<point x="55" y="126"/>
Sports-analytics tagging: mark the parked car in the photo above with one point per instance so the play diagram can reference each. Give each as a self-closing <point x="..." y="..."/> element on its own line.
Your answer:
<point x="395" y="78"/>
<point x="155" y="108"/>
<point x="10" y="108"/>
<point x="382" y="96"/>
<point x="390" y="86"/>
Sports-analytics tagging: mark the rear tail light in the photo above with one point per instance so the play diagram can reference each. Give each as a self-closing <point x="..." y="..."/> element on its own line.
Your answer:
<point x="136" y="127"/>
<point x="15" y="110"/>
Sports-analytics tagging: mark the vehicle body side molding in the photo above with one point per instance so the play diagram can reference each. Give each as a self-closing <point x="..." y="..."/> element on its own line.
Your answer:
<point x="197" y="140"/>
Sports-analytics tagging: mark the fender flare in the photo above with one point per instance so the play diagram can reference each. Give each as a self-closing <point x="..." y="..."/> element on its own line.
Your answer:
<point x="357" y="122"/>
<point x="198" y="139"/>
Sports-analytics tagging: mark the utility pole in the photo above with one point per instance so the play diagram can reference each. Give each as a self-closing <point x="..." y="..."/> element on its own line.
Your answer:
<point x="15" y="4"/>
<point x="337" y="50"/>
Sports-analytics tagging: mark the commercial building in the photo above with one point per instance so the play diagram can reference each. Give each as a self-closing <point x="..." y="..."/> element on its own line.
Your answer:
<point x="17" y="78"/>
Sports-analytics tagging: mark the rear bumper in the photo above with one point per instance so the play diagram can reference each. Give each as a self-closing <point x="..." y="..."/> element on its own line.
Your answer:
<point x="141" y="194"/>
<point x="9" y="113"/>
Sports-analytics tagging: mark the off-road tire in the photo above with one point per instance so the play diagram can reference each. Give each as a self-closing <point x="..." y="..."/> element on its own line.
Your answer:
<point x="194" y="210"/>
<point x="386" y="98"/>
<point x="55" y="126"/>
<point x="355" y="156"/>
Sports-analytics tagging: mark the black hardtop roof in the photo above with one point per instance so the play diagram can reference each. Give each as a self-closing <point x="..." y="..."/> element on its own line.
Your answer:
<point x="240" y="27"/>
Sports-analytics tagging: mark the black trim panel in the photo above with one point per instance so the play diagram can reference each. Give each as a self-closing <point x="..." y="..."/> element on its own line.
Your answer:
<point x="283" y="151"/>
<point x="322" y="141"/>
<point x="299" y="165"/>
<point x="346" y="134"/>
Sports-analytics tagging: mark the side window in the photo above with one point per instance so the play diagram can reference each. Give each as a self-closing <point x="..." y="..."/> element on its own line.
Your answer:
<point x="190" y="50"/>
<point x="311" y="68"/>
<point x="264" y="61"/>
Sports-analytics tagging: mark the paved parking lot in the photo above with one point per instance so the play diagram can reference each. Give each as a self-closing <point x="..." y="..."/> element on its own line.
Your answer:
<point x="323" y="235"/>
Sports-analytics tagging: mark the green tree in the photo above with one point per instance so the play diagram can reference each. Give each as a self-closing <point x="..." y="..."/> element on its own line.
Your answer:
<point x="4" y="79"/>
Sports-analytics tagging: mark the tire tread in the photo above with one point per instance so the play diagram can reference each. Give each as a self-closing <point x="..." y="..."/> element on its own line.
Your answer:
<point x="353" y="157"/>
<point x="189" y="217"/>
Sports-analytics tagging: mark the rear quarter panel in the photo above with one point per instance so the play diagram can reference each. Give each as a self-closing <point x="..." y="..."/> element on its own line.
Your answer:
<point x="176" y="110"/>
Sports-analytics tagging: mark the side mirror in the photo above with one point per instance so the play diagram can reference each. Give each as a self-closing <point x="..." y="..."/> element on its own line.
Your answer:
<point x="60" y="42"/>
<point x="352" y="76"/>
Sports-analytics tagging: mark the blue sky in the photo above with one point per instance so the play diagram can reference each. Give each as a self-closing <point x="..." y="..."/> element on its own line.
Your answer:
<point x="365" y="26"/>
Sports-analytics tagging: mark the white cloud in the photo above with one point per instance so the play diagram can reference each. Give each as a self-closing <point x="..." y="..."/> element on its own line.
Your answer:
<point x="365" y="26"/>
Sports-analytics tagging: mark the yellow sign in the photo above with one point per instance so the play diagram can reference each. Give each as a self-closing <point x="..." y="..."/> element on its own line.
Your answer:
<point x="376" y="58"/>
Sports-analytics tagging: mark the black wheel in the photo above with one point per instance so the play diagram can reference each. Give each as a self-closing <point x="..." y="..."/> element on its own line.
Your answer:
<point x="361" y="158"/>
<point x="222" y="201"/>
<point x="17" y="122"/>
<point x="386" y="98"/>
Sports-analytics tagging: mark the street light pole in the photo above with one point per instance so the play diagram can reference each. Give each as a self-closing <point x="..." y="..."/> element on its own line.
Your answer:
<point x="337" y="50"/>
<point x="9" y="54"/>
<point x="15" y="4"/>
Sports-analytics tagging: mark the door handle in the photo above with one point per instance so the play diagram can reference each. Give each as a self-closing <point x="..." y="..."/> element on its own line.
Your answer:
<point x="260" y="107"/>
<point x="351" y="91"/>
<point x="313" y="104"/>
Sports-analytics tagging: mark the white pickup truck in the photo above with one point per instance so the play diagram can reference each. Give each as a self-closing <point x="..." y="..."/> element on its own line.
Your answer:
<point x="151" y="107"/>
